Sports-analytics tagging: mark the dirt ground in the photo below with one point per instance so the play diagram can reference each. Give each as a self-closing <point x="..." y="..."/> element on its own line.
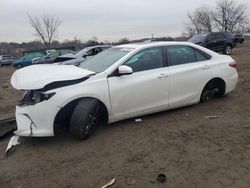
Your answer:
<point x="191" y="150"/>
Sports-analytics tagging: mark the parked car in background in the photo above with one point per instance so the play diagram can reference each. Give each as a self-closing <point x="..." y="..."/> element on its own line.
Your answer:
<point x="217" y="41"/>
<point x="239" y="38"/>
<point x="27" y="59"/>
<point x="81" y="55"/>
<point x="6" y="60"/>
<point x="50" y="58"/>
<point x="122" y="82"/>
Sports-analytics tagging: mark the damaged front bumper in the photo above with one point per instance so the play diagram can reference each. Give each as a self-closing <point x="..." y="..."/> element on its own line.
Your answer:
<point x="36" y="120"/>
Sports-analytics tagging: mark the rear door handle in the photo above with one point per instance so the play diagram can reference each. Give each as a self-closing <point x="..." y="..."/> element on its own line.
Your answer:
<point x="205" y="67"/>
<point x="162" y="75"/>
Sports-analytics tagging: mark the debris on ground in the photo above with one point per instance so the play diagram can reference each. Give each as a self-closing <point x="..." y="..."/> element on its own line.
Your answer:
<point x="131" y="181"/>
<point x="246" y="126"/>
<point x="162" y="178"/>
<point x="110" y="183"/>
<point x="5" y="85"/>
<point x="12" y="143"/>
<point x="138" y="120"/>
<point x="213" y="117"/>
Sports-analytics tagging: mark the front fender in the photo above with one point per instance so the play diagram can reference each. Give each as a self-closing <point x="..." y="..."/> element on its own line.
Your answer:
<point x="97" y="89"/>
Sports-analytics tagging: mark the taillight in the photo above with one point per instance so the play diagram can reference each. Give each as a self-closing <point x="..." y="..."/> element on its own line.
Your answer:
<point x="234" y="65"/>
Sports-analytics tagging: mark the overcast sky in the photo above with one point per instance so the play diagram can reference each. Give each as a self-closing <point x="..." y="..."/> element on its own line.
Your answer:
<point x="108" y="20"/>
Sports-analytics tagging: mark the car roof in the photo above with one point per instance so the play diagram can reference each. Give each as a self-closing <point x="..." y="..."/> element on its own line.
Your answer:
<point x="84" y="50"/>
<point x="97" y="46"/>
<point x="152" y="44"/>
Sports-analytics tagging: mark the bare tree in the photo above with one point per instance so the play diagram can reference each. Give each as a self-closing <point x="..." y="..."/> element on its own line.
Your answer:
<point x="243" y="28"/>
<point x="228" y="14"/>
<point x="46" y="27"/>
<point x="204" y="16"/>
<point x="200" y="20"/>
<point x="193" y="26"/>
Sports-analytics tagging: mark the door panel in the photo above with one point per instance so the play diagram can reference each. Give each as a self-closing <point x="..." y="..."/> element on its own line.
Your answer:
<point x="139" y="93"/>
<point x="188" y="72"/>
<point x="145" y="90"/>
<point x="186" y="82"/>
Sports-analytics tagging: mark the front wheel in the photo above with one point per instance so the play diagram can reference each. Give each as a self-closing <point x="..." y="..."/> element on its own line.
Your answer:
<point x="227" y="50"/>
<point x="85" y="118"/>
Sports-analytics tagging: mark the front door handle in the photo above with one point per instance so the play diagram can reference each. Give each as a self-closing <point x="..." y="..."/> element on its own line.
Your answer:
<point x="162" y="75"/>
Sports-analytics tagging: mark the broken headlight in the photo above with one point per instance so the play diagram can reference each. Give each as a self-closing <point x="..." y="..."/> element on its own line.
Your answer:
<point x="34" y="97"/>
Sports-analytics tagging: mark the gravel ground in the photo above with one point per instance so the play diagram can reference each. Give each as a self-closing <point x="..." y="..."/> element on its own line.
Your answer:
<point x="193" y="151"/>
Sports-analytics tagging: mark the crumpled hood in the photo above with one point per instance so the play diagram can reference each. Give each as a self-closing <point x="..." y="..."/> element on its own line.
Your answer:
<point x="38" y="76"/>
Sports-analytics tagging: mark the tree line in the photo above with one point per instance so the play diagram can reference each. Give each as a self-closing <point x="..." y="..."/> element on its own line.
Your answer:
<point x="227" y="15"/>
<point x="17" y="49"/>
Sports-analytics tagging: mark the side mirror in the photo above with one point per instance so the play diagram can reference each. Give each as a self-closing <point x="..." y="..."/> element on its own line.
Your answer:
<point x="125" y="70"/>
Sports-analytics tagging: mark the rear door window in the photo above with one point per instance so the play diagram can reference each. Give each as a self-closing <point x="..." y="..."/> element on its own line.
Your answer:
<point x="181" y="54"/>
<point x="178" y="55"/>
<point x="200" y="56"/>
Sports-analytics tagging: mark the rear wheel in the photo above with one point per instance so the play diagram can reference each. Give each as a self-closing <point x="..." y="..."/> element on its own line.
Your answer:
<point x="227" y="49"/>
<point x="214" y="88"/>
<point x="207" y="94"/>
<point x="85" y="118"/>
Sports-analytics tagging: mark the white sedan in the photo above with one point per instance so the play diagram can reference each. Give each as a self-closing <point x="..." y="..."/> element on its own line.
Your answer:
<point x="122" y="82"/>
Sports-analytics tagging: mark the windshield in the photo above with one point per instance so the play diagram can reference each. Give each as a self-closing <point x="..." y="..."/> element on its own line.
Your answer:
<point x="52" y="54"/>
<point x="199" y="38"/>
<point x="104" y="60"/>
<point x="82" y="52"/>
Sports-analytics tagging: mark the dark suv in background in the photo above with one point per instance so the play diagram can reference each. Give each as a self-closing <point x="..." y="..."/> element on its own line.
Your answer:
<point x="239" y="38"/>
<point x="217" y="41"/>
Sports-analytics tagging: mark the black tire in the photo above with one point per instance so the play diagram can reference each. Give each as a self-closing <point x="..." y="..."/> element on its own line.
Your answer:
<point x="227" y="49"/>
<point x="214" y="88"/>
<point x="85" y="118"/>
<point x="205" y="95"/>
